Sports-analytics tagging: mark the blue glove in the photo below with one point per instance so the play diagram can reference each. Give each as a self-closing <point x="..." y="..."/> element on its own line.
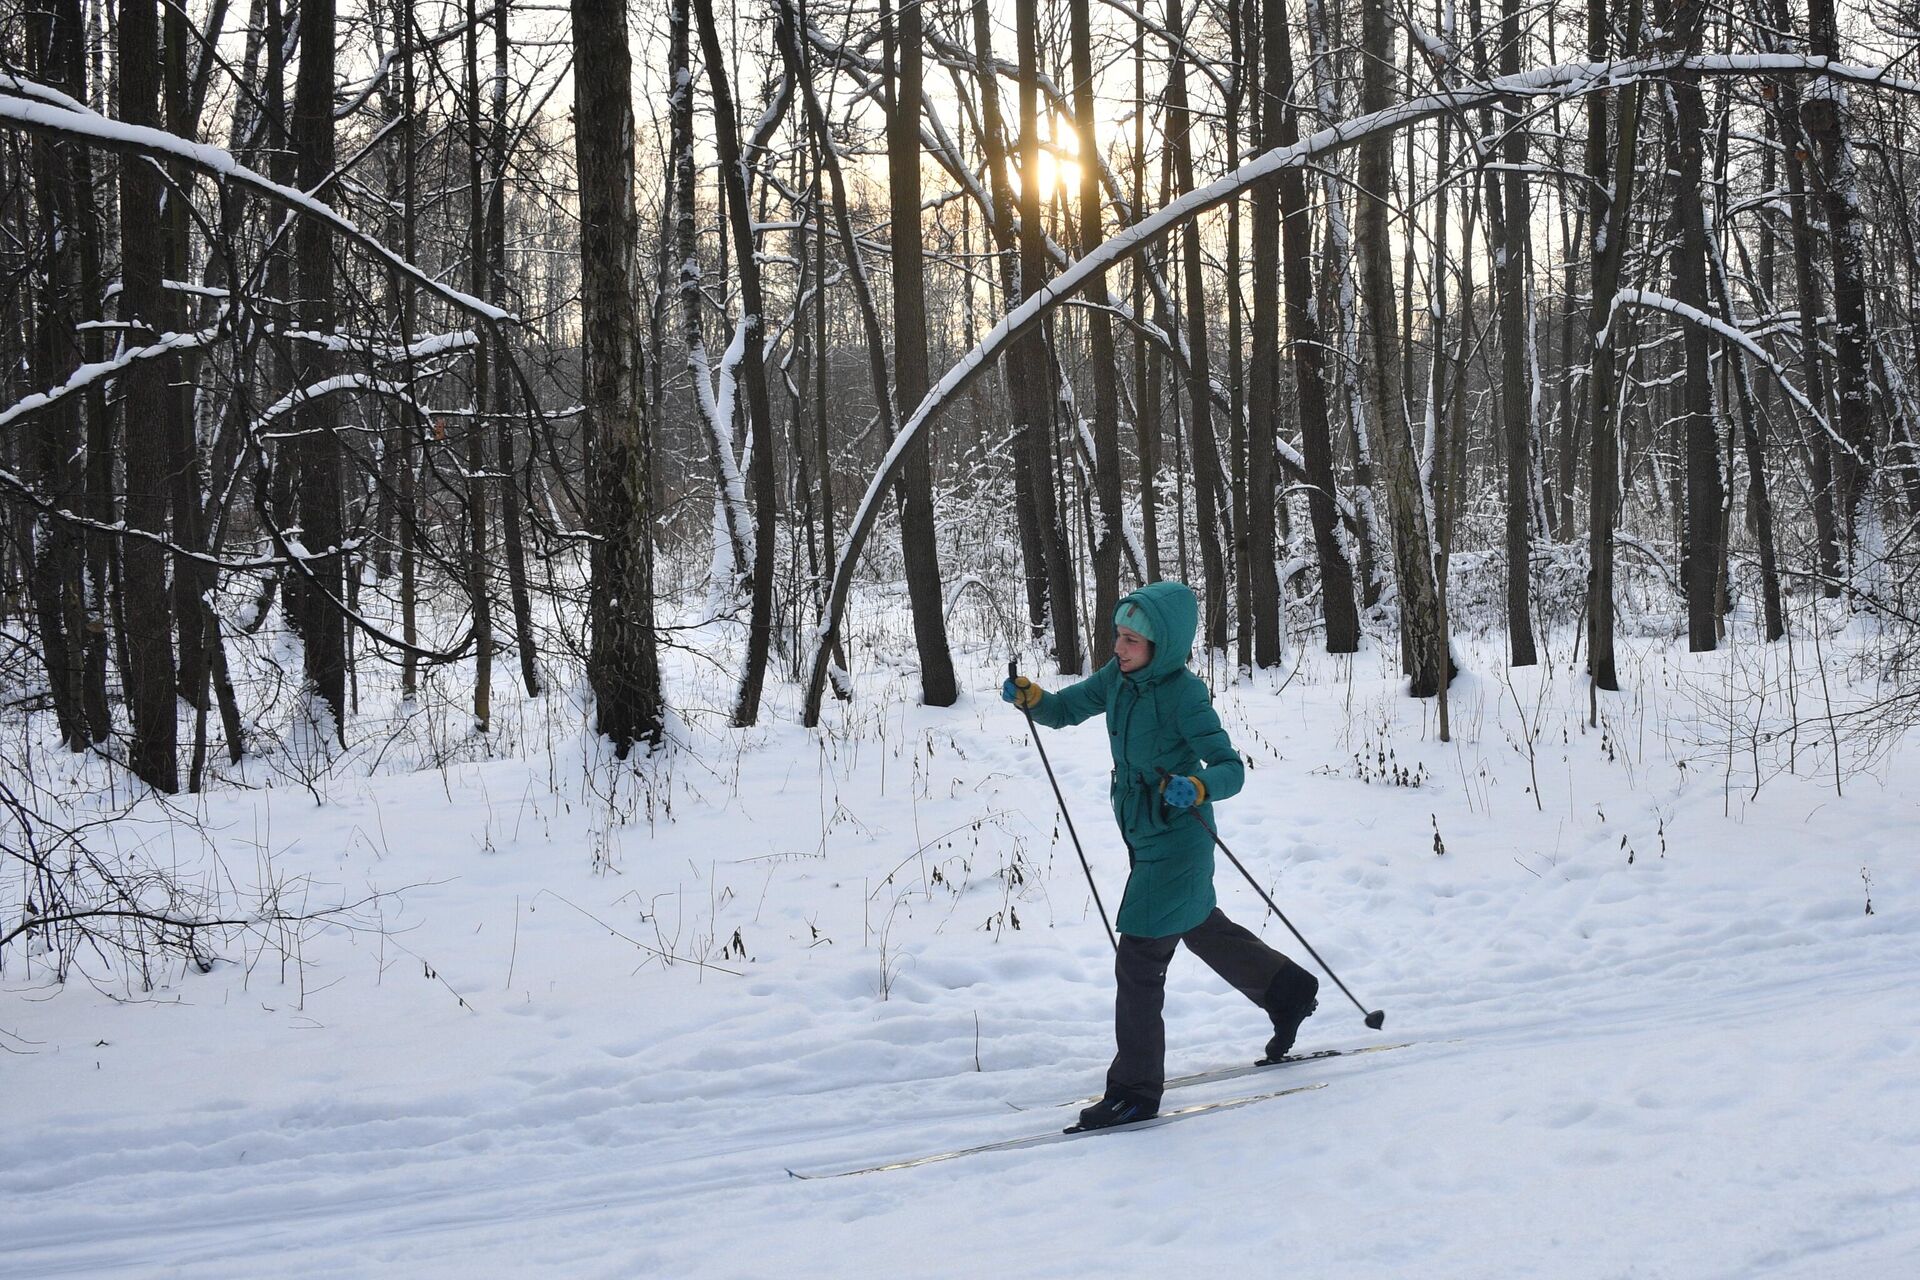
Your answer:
<point x="1183" y="792"/>
<point x="1021" y="692"/>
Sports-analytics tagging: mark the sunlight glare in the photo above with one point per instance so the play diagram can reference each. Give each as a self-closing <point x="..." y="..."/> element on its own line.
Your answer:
<point x="1054" y="174"/>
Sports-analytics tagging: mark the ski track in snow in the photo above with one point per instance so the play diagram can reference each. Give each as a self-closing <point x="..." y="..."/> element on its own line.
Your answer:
<point x="1694" y="1064"/>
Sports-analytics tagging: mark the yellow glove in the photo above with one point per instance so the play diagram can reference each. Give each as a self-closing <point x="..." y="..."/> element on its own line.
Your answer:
<point x="1184" y="792"/>
<point x="1021" y="692"/>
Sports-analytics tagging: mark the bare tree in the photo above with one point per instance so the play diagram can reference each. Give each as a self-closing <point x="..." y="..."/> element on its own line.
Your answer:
<point x="1836" y="181"/>
<point x="512" y="533"/>
<point x="479" y="466"/>
<point x="623" y="665"/>
<point x="1209" y="485"/>
<point x="148" y="668"/>
<point x="1263" y="369"/>
<point x="1036" y="405"/>
<point x="55" y="568"/>
<point x="1306" y="338"/>
<point x="1514" y="263"/>
<point x="326" y="406"/>
<point x="752" y="371"/>
<point x="1422" y="627"/>
<point x="1610" y="193"/>
<point x="1100" y="347"/>
<point x="1026" y="368"/>
<point x="729" y="488"/>
<point x="318" y="589"/>
<point x="1705" y="555"/>
<point x="919" y="551"/>
<point x="1147" y="366"/>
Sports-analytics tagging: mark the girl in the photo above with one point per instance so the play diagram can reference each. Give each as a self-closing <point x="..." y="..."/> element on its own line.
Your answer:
<point x="1170" y="758"/>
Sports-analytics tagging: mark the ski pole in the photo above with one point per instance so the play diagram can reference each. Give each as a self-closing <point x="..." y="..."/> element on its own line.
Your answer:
<point x="1377" y="1018"/>
<point x="1013" y="673"/>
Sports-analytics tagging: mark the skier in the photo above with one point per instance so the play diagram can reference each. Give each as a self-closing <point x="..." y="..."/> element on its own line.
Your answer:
<point x="1170" y="755"/>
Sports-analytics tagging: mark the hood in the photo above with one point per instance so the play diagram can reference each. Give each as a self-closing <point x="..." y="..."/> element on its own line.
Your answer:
<point x="1175" y="616"/>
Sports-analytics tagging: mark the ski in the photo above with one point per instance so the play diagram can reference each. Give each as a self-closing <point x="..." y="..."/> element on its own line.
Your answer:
<point x="1064" y="1135"/>
<point x="1231" y="1073"/>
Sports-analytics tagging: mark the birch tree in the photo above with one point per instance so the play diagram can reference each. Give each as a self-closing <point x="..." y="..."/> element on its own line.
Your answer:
<point x="752" y="375"/>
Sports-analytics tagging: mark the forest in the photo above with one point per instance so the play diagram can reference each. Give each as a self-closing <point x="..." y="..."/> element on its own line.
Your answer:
<point x="441" y="350"/>
<point x="515" y="518"/>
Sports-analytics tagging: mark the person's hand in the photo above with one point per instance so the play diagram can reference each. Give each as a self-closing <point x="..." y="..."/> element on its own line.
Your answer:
<point x="1184" y="792"/>
<point x="1021" y="692"/>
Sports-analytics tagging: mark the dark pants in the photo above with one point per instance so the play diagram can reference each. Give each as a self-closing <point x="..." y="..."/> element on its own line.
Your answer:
<point x="1248" y="964"/>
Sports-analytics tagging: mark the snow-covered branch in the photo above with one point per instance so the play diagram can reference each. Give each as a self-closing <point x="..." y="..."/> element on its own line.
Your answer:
<point x="88" y="374"/>
<point x="1566" y="81"/>
<point x="36" y="108"/>
<point x="330" y="386"/>
<point x="1693" y="315"/>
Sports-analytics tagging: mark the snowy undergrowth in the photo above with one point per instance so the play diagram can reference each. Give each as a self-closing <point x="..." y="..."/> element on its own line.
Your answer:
<point x="1656" y="976"/>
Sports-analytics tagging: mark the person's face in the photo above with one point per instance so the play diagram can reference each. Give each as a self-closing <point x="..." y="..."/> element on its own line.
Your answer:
<point x="1132" y="649"/>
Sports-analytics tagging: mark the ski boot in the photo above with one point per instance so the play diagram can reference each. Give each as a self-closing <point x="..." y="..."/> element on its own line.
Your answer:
<point x="1118" y="1107"/>
<point x="1290" y="1001"/>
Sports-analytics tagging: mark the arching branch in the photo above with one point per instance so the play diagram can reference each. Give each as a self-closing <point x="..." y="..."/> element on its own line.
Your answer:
<point x="1566" y="81"/>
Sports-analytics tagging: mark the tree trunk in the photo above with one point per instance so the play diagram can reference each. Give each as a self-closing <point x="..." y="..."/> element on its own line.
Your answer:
<point x="511" y="533"/>
<point x="148" y="628"/>
<point x="1026" y="360"/>
<point x="186" y="467"/>
<point x="1823" y="108"/>
<point x="409" y="326"/>
<point x="1516" y="402"/>
<point x="1423" y="630"/>
<point x="918" y="547"/>
<point x="1035" y="410"/>
<point x="822" y="420"/>
<point x="1607" y="215"/>
<point x="1263" y="383"/>
<point x="1752" y="439"/>
<point x="1346" y="331"/>
<point x="318" y="588"/>
<point x="1704" y="554"/>
<point x="1236" y="481"/>
<point x="1146" y="367"/>
<point x="729" y="490"/>
<point x="753" y="373"/>
<point x="55" y="566"/>
<point x="1903" y="449"/>
<point x="1809" y="296"/>
<point x="388" y="18"/>
<point x="623" y="666"/>
<point x="1205" y="450"/>
<point x="1308" y="341"/>
<point x="1442" y="422"/>
<point x="479" y="517"/>
<point x="1107" y="534"/>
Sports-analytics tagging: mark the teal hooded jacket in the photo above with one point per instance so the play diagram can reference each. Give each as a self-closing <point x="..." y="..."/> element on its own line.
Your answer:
<point x="1159" y="717"/>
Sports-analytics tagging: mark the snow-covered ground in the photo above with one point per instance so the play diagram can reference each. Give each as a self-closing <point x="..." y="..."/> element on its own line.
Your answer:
<point x="1652" y="1026"/>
